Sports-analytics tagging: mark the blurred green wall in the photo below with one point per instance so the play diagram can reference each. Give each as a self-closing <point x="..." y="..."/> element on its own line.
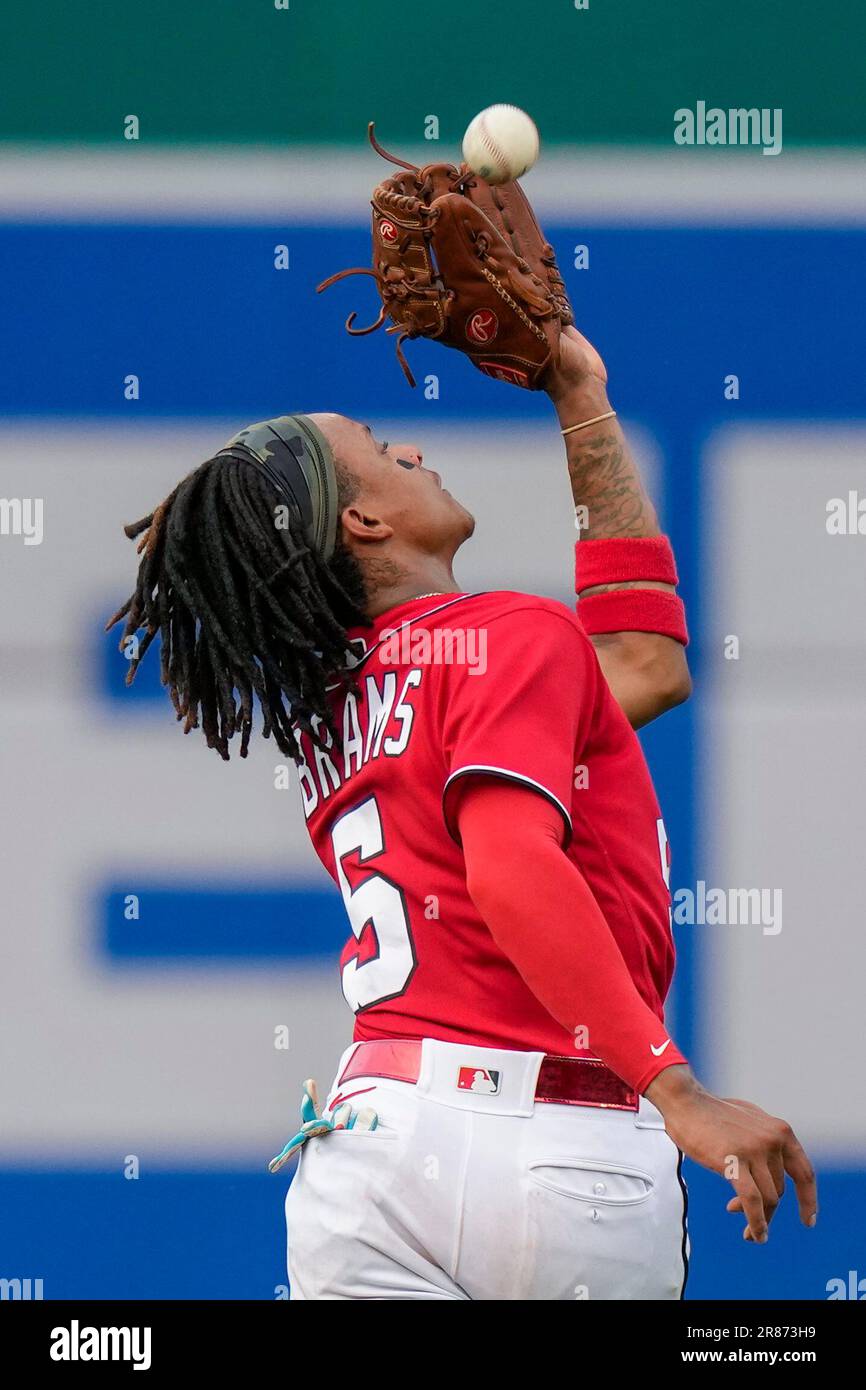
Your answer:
<point x="242" y="70"/>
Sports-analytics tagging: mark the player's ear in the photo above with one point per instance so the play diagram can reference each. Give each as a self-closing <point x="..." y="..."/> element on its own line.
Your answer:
<point x="361" y="525"/>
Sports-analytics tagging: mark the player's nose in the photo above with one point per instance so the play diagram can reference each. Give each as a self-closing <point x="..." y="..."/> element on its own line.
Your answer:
<point x="408" y="451"/>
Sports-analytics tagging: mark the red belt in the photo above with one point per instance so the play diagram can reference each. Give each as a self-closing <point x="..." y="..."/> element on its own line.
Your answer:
<point x="561" y="1080"/>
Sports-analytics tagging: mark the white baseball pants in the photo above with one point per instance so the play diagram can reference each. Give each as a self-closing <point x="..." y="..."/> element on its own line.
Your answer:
<point x="460" y="1195"/>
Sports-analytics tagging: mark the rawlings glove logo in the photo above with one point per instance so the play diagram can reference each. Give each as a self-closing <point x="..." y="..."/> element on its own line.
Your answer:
<point x="482" y="326"/>
<point x="387" y="231"/>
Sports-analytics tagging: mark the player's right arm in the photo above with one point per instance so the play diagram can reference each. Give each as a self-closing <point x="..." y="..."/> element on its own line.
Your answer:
<point x="542" y="914"/>
<point x="645" y="666"/>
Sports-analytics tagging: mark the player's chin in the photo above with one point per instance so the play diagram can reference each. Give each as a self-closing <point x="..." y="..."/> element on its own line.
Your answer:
<point x="464" y="520"/>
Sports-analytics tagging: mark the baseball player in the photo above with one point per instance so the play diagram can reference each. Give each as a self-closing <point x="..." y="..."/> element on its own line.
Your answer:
<point x="510" y="1118"/>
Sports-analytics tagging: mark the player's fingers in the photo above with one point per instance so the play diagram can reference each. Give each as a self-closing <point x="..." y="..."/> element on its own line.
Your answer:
<point x="777" y="1172"/>
<point x="768" y="1189"/>
<point x="735" y="1206"/>
<point x="802" y="1174"/>
<point x="769" y="1202"/>
<point x="753" y="1206"/>
<point x="791" y="1158"/>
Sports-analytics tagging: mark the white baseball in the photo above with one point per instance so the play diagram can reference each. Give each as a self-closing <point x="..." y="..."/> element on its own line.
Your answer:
<point x="501" y="143"/>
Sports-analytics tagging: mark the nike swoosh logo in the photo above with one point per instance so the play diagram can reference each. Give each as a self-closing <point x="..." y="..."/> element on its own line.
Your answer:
<point x="657" y="1051"/>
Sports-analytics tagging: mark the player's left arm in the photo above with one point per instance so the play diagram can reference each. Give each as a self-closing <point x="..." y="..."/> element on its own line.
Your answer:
<point x="543" y="916"/>
<point x="646" y="669"/>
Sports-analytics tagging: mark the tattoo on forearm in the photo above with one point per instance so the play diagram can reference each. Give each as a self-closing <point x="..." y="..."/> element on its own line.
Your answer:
<point x="605" y="481"/>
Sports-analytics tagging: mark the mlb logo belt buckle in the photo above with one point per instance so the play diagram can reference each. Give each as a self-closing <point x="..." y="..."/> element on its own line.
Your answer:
<point x="482" y="1081"/>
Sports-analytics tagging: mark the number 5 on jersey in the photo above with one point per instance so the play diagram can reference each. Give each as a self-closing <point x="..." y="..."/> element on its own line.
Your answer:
<point x="377" y="903"/>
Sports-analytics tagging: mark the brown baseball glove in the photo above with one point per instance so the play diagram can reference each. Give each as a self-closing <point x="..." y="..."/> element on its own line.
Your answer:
<point x="466" y="263"/>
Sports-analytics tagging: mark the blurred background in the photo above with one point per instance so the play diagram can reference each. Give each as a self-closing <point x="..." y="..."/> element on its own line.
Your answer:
<point x="173" y="185"/>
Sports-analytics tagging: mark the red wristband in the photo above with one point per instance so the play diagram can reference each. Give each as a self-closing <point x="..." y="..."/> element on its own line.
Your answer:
<point x="634" y="610"/>
<point x="612" y="561"/>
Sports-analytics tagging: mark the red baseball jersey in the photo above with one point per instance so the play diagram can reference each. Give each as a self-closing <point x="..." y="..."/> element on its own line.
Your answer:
<point x="500" y="684"/>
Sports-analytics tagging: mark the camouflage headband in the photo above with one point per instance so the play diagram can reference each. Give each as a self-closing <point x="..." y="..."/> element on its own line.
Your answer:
<point x="296" y="457"/>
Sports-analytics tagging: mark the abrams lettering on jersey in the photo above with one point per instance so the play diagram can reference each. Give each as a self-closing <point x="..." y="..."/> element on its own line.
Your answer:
<point x="376" y="722"/>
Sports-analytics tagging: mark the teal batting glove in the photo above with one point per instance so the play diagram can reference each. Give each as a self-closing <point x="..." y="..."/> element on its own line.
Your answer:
<point x="313" y="1125"/>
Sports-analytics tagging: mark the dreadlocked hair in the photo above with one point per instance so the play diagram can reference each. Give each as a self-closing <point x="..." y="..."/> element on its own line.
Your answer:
<point x="243" y="607"/>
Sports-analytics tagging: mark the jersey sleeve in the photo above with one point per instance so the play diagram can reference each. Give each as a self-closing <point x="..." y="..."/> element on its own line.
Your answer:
<point x="523" y="713"/>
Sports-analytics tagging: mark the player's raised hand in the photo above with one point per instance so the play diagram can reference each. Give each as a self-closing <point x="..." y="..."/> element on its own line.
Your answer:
<point x="753" y="1150"/>
<point x="578" y="363"/>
